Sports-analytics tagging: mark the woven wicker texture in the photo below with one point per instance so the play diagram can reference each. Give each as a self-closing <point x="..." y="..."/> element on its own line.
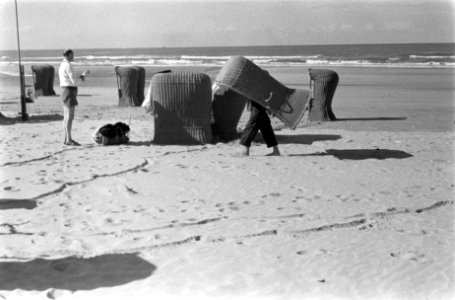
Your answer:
<point x="227" y="110"/>
<point x="325" y="84"/>
<point x="182" y="105"/>
<point x="43" y="79"/>
<point x="140" y="83"/>
<point x="131" y="81"/>
<point x="246" y="78"/>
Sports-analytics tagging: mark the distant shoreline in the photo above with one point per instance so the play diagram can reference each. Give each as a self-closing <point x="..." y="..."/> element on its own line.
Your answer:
<point x="376" y="55"/>
<point x="237" y="46"/>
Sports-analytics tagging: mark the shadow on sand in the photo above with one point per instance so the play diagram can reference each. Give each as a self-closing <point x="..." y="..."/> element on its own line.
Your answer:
<point x="139" y="143"/>
<point x="32" y="119"/>
<point x="361" y="154"/>
<point x="74" y="273"/>
<point x="17" y="204"/>
<point x="372" y="119"/>
<point x="8" y="102"/>
<point x="306" y="139"/>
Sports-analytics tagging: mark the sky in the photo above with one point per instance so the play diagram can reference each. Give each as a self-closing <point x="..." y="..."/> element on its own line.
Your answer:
<point x="59" y="24"/>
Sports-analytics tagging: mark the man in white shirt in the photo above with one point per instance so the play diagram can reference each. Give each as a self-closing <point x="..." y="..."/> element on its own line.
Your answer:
<point x="68" y="82"/>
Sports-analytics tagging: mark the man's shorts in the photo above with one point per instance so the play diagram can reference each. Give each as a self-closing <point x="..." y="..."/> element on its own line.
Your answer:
<point x="69" y="96"/>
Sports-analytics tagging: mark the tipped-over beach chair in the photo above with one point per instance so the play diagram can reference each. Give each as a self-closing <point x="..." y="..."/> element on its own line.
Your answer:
<point x="324" y="83"/>
<point x="43" y="80"/>
<point x="130" y="83"/>
<point x="181" y="104"/>
<point x="249" y="80"/>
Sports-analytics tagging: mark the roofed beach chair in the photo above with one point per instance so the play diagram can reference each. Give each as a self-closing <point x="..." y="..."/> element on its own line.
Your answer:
<point x="43" y="80"/>
<point x="131" y="84"/>
<point x="323" y="83"/>
<point x="182" y="103"/>
<point x="242" y="76"/>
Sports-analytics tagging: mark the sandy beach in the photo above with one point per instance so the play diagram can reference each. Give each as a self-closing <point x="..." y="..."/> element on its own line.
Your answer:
<point x="358" y="208"/>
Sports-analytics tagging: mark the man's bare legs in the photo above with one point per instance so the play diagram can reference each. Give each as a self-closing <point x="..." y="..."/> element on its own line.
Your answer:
<point x="68" y="117"/>
<point x="64" y="123"/>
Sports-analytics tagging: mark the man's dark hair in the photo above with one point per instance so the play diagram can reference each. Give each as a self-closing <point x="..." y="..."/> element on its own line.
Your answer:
<point x="67" y="52"/>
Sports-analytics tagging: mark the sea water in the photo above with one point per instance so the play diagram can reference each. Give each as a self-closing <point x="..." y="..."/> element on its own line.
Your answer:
<point x="380" y="55"/>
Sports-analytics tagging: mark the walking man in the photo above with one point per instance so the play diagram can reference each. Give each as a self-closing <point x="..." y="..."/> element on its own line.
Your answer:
<point x="259" y="120"/>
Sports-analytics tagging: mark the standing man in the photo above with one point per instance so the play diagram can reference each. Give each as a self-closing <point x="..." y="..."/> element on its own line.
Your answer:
<point x="259" y="120"/>
<point x="69" y="94"/>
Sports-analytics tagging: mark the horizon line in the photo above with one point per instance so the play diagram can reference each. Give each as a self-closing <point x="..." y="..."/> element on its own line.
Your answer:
<point x="237" y="46"/>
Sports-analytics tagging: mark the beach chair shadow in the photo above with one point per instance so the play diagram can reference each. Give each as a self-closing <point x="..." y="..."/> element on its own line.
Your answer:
<point x="74" y="273"/>
<point x="361" y="154"/>
<point x="139" y="143"/>
<point x="373" y="119"/>
<point x="31" y="119"/>
<point x="17" y="204"/>
<point x="171" y="129"/>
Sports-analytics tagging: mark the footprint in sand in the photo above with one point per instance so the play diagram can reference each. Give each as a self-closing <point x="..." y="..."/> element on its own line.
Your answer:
<point x="233" y="206"/>
<point x="139" y="209"/>
<point x="271" y="195"/>
<point x="302" y="252"/>
<point x="130" y="190"/>
<point x="410" y="255"/>
<point x="324" y="252"/>
<point x="11" y="189"/>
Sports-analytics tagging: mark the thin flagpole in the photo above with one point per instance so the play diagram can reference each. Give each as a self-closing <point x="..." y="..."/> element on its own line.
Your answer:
<point x="21" y="70"/>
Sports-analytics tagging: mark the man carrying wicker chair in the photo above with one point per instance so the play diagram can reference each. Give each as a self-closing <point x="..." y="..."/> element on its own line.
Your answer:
<point x="265" y="94"/>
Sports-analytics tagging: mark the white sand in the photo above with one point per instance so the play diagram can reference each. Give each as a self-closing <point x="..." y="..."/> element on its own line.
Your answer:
<point x="343" y="214"/>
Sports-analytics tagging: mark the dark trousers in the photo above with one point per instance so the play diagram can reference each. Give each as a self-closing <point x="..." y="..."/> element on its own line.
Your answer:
<point x="259" y="120"/>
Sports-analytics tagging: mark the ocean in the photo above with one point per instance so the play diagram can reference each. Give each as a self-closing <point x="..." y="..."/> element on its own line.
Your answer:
<point x="384" y="55"/>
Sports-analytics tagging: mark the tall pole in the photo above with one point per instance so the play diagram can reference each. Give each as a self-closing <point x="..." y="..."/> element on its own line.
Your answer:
<point x="21" y="71"/>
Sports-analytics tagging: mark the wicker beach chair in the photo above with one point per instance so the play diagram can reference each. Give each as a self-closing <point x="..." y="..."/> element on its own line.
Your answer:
<point x="43" y="80"/>
<point x="324" y="83"/>
<point x="181" y="108"/>
<point x="249" y="80"/>
<point x="140" y="84"/>
<point x="130" y="83"/>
